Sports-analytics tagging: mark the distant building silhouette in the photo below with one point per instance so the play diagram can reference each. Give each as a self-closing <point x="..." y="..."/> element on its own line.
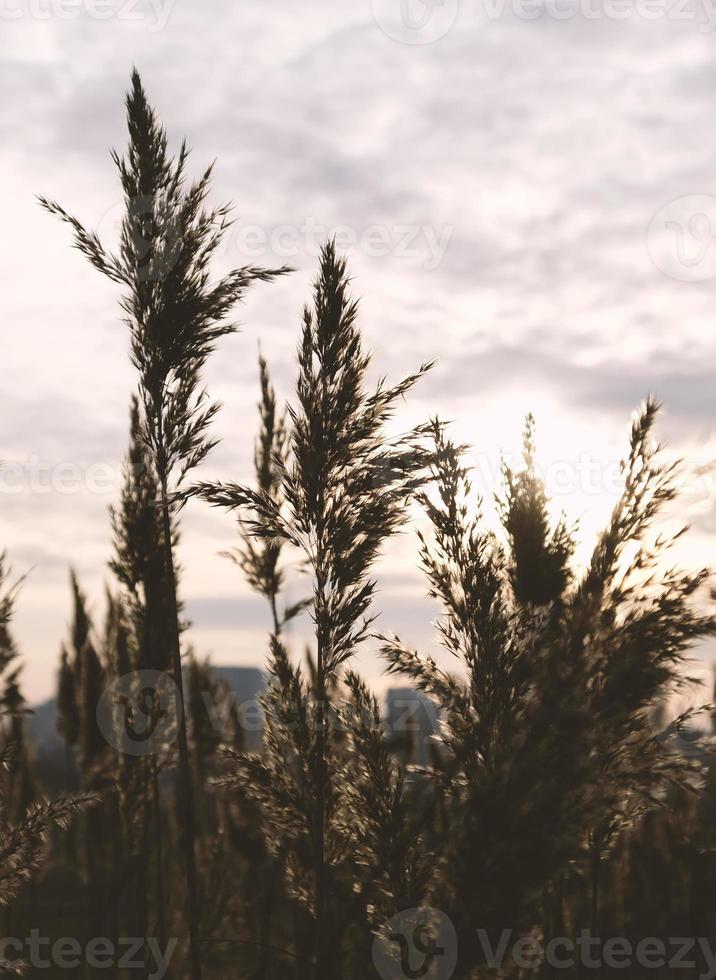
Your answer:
<point x="411" y="720"/>
<point x="247" y="684"/>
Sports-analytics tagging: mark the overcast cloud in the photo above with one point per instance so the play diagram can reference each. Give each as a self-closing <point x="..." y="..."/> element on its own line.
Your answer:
<point x="500" y="192"/>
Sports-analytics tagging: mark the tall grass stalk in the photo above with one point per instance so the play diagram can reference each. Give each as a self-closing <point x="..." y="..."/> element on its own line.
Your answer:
<point x="176" y="315"/>
<point x="345" y="488"/>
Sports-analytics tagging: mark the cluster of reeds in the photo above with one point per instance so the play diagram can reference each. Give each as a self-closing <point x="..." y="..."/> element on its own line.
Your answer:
<point x="27" y="819"/>
<point x="546" y="771"/>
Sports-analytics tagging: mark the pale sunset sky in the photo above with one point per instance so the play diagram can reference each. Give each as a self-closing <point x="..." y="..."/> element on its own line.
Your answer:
<point x="501" y="177"/>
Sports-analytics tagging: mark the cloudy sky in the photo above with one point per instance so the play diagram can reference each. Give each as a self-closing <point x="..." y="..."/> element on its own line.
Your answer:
<point x="523" y="189"/>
